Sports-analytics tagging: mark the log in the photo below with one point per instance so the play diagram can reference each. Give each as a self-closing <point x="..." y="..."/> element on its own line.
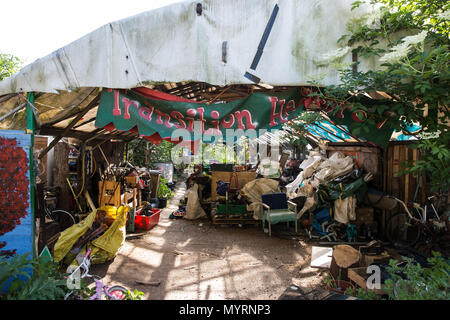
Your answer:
<point x="344" y="257"/>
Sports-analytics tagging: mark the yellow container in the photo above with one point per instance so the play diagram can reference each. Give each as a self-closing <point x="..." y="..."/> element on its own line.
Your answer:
<point x="111" y="211"/>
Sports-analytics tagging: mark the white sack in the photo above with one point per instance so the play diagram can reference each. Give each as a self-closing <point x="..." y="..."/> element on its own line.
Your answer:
<point x="193" y="208"/>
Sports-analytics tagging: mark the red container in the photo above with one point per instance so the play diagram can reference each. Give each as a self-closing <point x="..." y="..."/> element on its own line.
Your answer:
<point x="147" y="222"/>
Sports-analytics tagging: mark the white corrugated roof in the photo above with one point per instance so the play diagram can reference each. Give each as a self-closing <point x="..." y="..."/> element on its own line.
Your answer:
<point x="175" y="44"/>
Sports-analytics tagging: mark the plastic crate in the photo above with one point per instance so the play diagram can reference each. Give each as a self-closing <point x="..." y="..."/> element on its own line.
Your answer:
<point x="232" y="209"/>
<point x="227" y="167"/>
<point x="147" y="222"/>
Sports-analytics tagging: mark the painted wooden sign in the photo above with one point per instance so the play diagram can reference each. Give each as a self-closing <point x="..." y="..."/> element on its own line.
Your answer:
<point x="16" y="219"/>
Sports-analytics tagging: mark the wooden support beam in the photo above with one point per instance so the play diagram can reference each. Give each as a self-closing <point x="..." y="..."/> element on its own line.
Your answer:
<point x="85" y="122"/>
<point x="91" y="105"/>
<point x="99" y="133"/>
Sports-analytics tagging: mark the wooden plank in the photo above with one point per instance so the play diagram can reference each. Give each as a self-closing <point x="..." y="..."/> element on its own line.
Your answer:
<point x="396" y="159"/>
<point x="89" y="200"/>
<point x="154" y="184"/>
<point x="109" y="193"/>
<point x="60" y="172"/>
<point x="359" y="276"/>
<point x="40" y="143"/>
<point x="389" y="170"/>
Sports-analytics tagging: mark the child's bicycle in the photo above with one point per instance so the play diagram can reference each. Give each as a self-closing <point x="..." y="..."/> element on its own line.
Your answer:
<point x="111" y="293"/>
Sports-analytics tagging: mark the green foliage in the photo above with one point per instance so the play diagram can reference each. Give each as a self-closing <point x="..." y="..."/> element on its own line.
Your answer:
<point x="435" y="160"/>
<point x="414" y="73"/>
<point x="137" y="150"/>
<point x="299" y="127"/>
<point x="45" y="282"/>
<point x="362" y="294"/>
<point x="163" y="190"/>
<point x="9" y="65"/>
<point x="17" y="266"/>
<point x="135" y="295"/>
<point x="420" y="283"/>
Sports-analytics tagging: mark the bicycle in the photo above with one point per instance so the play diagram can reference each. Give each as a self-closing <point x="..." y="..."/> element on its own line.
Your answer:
<point x="111" y="293"/>
<point x="64" y="218"/>
<point x="416" y="228"/>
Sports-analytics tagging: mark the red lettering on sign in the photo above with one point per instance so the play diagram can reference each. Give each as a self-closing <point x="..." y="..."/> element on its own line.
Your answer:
<point x="159" y="117"/>
<point x="180" y="124"/>
<point x="146" y="113"/>
<point x="116" y="110"/>
<point x="290" y="107"/>
<point x="191" y="113"/>
<point x="215" y="128"/>
<point x="159" y="120"/>
<point x="228" y="123"/>
<point x="201" y="111"/>
<point x="241" y="114"/>
<point x="274" y="114"/>
<point x="129" y="103"/>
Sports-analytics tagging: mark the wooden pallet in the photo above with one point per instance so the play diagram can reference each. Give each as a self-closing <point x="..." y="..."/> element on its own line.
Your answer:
<point x="233" y="220"/>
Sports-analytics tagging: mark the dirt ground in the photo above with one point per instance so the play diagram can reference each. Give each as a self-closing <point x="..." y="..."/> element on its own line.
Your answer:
<point x="197" y="260"/>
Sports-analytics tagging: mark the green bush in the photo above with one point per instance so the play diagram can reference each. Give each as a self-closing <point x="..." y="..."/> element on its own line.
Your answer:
<point x="419" y="283"/>
<point x="34" y="279"/>
<point x="163" y="190"/>
<point x="413" y="282"/>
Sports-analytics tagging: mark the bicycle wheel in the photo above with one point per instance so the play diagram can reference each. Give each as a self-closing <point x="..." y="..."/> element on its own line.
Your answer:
<point x="65" y="219"/>
<point x="118" y="292"/>
<point x="403" y="230"/>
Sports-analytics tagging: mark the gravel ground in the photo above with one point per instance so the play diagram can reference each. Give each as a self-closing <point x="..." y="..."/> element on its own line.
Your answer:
<point x="196" y="260"/>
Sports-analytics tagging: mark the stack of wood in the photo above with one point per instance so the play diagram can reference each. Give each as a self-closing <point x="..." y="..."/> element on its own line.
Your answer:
<point x="344" y="257"/>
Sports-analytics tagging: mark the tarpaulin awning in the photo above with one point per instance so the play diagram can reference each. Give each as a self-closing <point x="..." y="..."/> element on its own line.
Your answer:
<point x="280" y="42"/>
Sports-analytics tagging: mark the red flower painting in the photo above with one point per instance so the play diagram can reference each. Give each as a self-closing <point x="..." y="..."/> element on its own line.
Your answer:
<point x="14" y="187"/>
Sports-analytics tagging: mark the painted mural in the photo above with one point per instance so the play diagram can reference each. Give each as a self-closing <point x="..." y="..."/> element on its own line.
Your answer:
<point x="16" y="223"/>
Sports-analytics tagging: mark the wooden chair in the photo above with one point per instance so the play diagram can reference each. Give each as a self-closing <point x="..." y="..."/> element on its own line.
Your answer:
<point x="276" y="209"/>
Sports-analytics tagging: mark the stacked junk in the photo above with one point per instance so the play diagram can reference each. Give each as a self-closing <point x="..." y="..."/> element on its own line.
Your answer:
<point x="330" y="190"/>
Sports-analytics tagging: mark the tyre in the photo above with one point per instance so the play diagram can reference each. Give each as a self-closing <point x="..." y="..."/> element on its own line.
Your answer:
<point x="64" y="218"/>
<point x="403" y="230"/>
<point x="118" y="292"/>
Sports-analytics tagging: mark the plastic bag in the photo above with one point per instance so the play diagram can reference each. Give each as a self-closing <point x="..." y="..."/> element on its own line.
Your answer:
<point x="336" y="166"/>
<point x="69" y="236"/>
<point x="253" y="191"/>
<point x="109" y="243"/>
<point x="104" y="248"/>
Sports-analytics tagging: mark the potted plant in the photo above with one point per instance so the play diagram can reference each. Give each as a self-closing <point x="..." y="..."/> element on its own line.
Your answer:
<point x="338" y="285"/>
<point x="164" y="192"/>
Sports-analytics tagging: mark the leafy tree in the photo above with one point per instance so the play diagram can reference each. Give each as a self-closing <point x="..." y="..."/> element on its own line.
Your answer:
<point x="410" y="41"/>
<point x="9" y="65"/>
<point x="137" y="150"/>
